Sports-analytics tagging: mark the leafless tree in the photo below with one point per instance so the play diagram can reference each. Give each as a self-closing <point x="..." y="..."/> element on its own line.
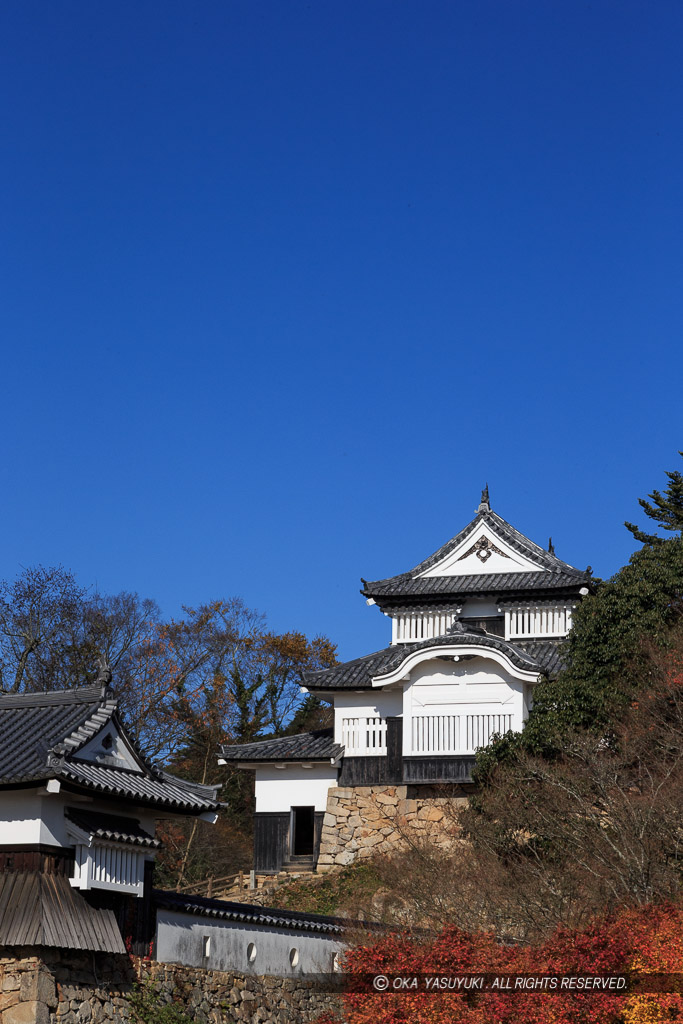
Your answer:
<point x="37" y="611"/>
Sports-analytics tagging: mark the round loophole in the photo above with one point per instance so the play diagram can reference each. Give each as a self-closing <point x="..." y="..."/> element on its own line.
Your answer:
<point x="293" y="956"/>
<point x="251" y="952"/>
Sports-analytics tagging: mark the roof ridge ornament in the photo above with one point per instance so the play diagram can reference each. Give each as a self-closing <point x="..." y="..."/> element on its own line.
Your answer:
<point x="56" y="756"/>
<point x="457" y="626"/>
<point x="462" y="626"/>
<point x="484" y="504"/>
<point x="104" y="675"/>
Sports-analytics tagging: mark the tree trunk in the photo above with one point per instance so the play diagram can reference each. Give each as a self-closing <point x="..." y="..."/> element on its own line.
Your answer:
<point x="193" y="833"/>
<point x="21" y="666"/>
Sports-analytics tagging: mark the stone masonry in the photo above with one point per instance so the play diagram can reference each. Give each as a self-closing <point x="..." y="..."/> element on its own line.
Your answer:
<point x="49" y="986"/>
<point x="362" y="821"/>
<point x="27" y="989"/>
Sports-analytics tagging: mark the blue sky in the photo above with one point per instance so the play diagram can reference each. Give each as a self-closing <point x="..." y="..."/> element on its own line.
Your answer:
<point x="284" y="284"/>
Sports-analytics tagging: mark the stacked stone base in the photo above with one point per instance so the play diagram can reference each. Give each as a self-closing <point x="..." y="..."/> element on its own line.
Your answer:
<point x="27" y="990"/>
<point x="68" y="987"/>
<point x="363" y="821"/>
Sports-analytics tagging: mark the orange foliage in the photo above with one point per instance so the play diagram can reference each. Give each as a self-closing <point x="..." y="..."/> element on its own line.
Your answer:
<point x="637" y="943"/>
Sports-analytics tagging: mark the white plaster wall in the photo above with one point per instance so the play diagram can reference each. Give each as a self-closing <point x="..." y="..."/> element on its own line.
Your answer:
<point x="455" y="682"/>
<point x="279" y="789"/>
<point x="19" y="817"/>
<point x="475" y="687"/>
<point x="52" y="826"/>
<point x="179" y="939"/>
<point x="29" y="817"/>
<point x="371" y="704"/>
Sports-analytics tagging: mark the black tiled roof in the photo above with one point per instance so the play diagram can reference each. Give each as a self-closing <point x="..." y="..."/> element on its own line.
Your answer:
<point x="41" y="735"/>
<point x="548" y="654"/>
<point x="157" y="788"/>
<point x="307" y="746"/>
<point x="555" y="574"/>
<point x="111" y="826"/>
<point x="354" y="674"/>
<point x="487" y="584"/>
<point x="246" y="913"/>
<point x="31" y="724"/>
<point x="38" y="909"/>
<point x="540" y="655"/>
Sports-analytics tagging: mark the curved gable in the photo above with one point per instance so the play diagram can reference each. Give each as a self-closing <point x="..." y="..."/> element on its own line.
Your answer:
<point x="446" y="652"/>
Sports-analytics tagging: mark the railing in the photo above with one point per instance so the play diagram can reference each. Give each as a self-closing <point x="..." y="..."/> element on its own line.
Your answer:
<point x="258" y="887"/>
<point x="207" y="885"/>
<point x="521" y="620"/>
<point x="364" y="735"/>
<point x="412" y="626"/>
<point x="109" y="867"/>
<point x="455" y="734"/>
<point x="213" y="886"/>
<point x="537" y="620"/>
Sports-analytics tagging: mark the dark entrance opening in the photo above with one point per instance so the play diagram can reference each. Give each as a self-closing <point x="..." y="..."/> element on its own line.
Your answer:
<point x="302" y="831"/>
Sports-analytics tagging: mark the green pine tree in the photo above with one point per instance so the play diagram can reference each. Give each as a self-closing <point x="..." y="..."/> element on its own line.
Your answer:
<point x="665" y="509"/>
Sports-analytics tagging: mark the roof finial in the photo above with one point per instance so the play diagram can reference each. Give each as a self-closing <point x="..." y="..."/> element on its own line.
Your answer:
<point x="104" y="673"/>
<point x="551" y="546"/>
<point x="484" y="505"/>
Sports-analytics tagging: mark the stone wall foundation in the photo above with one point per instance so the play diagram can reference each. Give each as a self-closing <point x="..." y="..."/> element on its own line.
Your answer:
<point x="71" y="987"/>
<point x="362" y="821"/>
